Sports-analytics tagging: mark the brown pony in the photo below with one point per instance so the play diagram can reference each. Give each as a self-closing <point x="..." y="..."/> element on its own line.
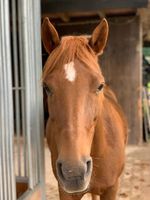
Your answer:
<point x="86" y="130"/>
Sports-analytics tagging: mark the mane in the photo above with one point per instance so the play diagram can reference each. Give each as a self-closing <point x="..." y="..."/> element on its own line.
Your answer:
<point x="71" y="48"/>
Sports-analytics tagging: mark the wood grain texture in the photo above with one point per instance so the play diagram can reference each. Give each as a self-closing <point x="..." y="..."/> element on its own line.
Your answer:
<point x="122" y="67"/>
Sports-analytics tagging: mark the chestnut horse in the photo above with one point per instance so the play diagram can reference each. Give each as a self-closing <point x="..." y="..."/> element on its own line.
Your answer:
<point x="86" y="129"/>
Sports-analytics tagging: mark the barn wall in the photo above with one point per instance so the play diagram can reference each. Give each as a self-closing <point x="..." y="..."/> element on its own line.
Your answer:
<point x="122" y="67"/>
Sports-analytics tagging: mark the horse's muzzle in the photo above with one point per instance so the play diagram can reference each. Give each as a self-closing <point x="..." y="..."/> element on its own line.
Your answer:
<point x="75" y="177"/>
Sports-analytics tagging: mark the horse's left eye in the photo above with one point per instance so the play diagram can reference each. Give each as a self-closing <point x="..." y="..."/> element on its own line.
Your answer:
<point x="100" y="87"/>
<point x="47" y="90"/>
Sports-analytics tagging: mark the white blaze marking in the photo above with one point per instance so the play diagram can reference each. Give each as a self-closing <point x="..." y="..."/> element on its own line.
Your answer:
<point x="70" y="71"/>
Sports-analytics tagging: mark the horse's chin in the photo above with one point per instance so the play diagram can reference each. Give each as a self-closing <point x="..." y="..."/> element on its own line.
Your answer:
<point x="73" y="188"/>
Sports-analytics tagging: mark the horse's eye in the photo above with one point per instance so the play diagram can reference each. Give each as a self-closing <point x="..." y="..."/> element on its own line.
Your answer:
<point x="47" y="90"/>
<point x="100" y="87"/>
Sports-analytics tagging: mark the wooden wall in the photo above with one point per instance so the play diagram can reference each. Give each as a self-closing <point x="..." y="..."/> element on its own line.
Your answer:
<point x="122" y="67"/>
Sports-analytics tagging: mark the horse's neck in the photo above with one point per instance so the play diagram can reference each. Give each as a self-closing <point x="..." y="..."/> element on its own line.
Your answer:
<point x="109" y="124"/>
<point x="99" y="141"/>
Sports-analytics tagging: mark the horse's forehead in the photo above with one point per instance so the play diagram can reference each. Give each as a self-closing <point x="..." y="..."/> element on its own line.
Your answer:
<point x="70" y="71"/>
<point x="73" y="72"/>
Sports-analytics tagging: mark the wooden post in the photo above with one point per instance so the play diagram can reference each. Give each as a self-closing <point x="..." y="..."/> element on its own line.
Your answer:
<point x="122" y="66"/>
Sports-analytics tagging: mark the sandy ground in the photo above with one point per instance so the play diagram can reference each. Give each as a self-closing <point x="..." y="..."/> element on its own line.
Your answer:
<point x="135" y="181"/>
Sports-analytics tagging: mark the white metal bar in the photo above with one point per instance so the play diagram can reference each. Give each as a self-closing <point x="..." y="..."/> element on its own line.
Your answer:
<point x="32" y="116"/>
<point x="32" y="81"/>
<point x="3" y="131"/>
<point x="39" y="92"/>
<point x="6" y="106"/>
<point x="22" y="78"/>
<point x="16" y="83"/>
<point x="9" y="106"/>
<point x="27" y="65"/>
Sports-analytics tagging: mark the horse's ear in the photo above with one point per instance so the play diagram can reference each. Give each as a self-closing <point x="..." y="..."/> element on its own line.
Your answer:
<point x="99" y="37"/>
<point x="50" y="36"/>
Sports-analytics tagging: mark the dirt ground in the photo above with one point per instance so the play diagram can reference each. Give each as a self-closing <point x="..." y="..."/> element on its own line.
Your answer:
<point x="134" y="183"/>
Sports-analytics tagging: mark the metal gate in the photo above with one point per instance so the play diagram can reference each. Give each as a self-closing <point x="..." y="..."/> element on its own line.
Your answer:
<point x="21" y="102"/>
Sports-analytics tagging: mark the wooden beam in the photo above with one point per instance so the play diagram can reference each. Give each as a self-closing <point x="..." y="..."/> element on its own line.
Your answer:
<point x="21" y="186"/>
<point x="53" y="6"/>
<point x="76" y="28"/>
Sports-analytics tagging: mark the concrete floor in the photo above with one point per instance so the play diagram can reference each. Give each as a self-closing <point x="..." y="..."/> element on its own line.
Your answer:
<point x="135" y="181"/>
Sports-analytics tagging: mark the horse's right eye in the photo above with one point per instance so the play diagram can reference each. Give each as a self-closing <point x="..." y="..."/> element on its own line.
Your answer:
<point x="47" y="90"/>
<point x="100" y="87"/>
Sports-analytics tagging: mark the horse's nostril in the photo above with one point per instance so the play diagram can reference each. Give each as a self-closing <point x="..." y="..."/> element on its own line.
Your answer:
<point x="89" y="166"/>
<point x="59" y="169"/>
<point x="59" y="164"/>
